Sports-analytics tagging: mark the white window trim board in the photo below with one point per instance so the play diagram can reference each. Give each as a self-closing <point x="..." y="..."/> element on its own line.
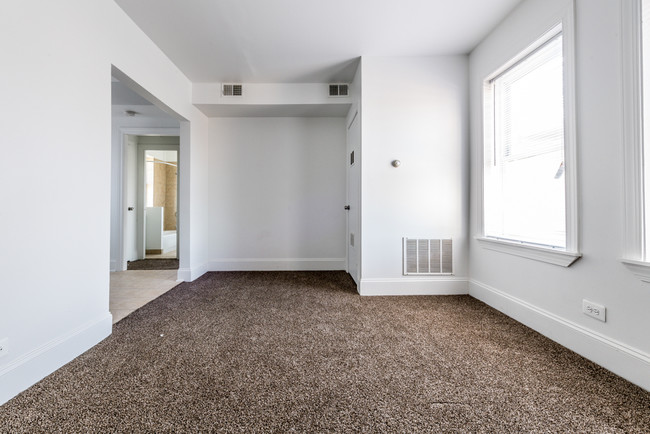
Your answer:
<point x="553" y="256"/>
<point x="641" y="269"/>
<point x="541" y="254"/>
<point x="634" y="256"/>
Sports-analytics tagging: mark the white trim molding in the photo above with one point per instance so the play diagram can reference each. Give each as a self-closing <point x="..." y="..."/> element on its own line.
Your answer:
<point x="279" y="264"/>
<point x="635" y="256"/>
<point x="542" y="254"/>
<point x="27" y="369"/>
<point x="192" y="273"/>
<point x="621" y="359"/>
<point x="414" y="286"/>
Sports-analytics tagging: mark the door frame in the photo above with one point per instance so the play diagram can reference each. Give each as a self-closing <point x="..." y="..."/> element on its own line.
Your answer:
<point x="142" y="131"/>
<point x="356" y="117"/>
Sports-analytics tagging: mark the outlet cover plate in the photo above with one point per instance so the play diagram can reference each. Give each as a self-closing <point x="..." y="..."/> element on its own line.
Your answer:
<point x="594" y="310"/>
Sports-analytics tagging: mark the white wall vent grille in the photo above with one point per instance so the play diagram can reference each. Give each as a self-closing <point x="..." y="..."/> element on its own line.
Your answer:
<point x="428" y="257"/>
<point x="338" y="89"/>
<point x="232" y="89"/>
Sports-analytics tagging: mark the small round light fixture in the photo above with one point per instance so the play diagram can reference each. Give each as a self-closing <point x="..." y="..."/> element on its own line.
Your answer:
<point x="396" y="163"/>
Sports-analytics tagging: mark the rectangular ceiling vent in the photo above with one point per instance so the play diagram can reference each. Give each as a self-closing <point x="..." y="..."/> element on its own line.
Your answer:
<point x="232" y="89"/>
<point x="338" y="89"/>
<point x="427" y="257"/>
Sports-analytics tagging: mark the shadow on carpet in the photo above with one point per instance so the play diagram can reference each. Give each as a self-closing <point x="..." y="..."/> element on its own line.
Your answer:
<point x="153" y="264"/>
<point x="301" y="351"/>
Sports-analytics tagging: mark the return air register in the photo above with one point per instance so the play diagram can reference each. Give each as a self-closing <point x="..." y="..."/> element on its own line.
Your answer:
<point x="427" y="257"/>
<point x="338" y="89"/>
<point x="232" y="89"/>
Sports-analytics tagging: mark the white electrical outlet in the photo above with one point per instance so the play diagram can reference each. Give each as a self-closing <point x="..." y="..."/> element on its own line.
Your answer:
<point x="4" y="347"/>
<point x="594" y="310"/>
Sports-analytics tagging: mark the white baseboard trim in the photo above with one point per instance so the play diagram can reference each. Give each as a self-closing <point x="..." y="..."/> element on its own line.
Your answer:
<point x="113" y="266"/>
<point x="29" y="368"/>
<point x="621" y="359"/>
<point x="278" y="264"/>
<point x="191" y="274"/>
<point x="414" y="286"/>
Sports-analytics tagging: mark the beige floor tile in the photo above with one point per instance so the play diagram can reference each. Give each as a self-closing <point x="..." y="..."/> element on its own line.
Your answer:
<point x="168" y="255"/>
<point x="131" y="290"/>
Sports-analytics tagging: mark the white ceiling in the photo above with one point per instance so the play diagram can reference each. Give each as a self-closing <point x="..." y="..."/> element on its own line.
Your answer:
<point x="124" y="99"/>
<point x="122" y="95"/>
<point x="307" y="41"/>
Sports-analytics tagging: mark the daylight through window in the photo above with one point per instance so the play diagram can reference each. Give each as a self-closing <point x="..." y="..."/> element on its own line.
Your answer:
<point x="524" y="170"/>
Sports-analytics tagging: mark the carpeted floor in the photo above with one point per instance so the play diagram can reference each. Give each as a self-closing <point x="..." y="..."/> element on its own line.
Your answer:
<point x="301" y="351"/>
<point x="153" y="264"/>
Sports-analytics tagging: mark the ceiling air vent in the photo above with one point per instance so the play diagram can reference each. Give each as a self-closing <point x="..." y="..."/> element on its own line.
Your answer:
<point x="338" y="89"/>
<point x="429" y="257"/>
<point x="232" y="90"/>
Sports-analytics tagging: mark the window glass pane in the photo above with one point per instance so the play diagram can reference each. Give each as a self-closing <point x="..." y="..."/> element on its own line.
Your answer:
<point x="524" y="183"/>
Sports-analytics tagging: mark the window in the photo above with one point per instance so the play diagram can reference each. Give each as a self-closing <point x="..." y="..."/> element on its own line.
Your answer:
<point x="528" y="171"/>
<point x="636" y="94"/>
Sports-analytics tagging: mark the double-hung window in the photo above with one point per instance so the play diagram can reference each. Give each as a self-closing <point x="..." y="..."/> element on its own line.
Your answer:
<point x="528" y="154"/>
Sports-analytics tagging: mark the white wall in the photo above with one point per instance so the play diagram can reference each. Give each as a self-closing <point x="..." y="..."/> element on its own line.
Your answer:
<point x="56" y="123"/>
<point x="414" y="110"/>
<point x="548" y="297"/>
<point x="277" y="192"/>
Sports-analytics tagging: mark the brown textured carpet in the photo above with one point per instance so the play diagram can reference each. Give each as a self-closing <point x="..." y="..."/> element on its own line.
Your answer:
<point x="153" y="264"/>
<point x="301" y="351"/>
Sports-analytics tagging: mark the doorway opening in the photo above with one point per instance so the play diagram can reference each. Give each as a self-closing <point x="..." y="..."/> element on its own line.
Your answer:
<point x="161" y="204"/>
<point x="141" y="122"/>
<point x="157" y="232"/>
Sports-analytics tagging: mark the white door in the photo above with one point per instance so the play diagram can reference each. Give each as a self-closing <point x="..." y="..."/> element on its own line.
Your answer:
<point x="130" y="198"/>
<point x="354" y="198"/>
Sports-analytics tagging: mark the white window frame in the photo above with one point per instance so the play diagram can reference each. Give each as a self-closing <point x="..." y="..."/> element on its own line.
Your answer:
<point x="634" y="254"/>
<point x="557" y="256"/>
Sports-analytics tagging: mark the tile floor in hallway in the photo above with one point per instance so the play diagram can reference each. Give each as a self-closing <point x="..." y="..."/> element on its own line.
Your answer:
<point x="133" y="289"/>
<point x="169" y="255"/>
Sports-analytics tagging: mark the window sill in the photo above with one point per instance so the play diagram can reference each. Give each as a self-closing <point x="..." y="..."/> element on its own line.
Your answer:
<point x="640" y="269"/>
<point x="550" y="256"/>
